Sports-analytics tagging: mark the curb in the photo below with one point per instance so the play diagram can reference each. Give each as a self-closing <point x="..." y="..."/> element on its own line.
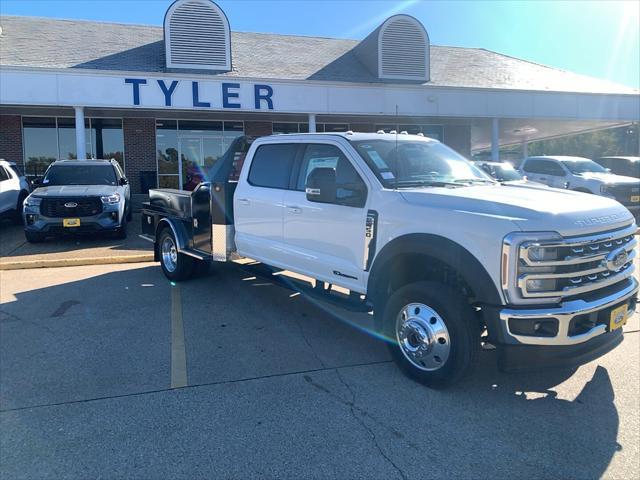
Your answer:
<point x="75" y="262"/>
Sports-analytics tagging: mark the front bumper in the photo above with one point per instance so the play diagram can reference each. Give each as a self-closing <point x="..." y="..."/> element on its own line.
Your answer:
<point x="582" y="331"/>
<point x="108" y="220"/>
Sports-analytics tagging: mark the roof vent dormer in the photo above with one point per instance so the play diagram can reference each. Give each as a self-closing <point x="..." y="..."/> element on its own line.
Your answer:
<point x="397" y="50"/>
<point x="197" y="35"/>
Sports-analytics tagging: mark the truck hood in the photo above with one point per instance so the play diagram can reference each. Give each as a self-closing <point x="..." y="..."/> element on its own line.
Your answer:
<point x="531" y="207"/>
<point x="75" y="191"/>
<point x="611" y="178"/>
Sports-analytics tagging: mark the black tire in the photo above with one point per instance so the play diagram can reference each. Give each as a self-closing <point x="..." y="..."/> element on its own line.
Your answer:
<point x="184" y="264"/>
<point x="17" y="218"/>
<point x="201" y="268"/>
<point x="121" y="232"/>
<point x="33" y="237"/>
<point x="129" y="212"/>
<point x="462" y="327"/>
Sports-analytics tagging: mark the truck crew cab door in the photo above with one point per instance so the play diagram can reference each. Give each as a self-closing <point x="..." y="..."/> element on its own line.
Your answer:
<point x="258" y="202"/>
<point x="327" y="240"/>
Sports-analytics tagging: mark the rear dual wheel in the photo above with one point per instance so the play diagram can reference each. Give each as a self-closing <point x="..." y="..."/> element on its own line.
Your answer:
<point x="176" y="266"/>
<point x="433" y="333"/>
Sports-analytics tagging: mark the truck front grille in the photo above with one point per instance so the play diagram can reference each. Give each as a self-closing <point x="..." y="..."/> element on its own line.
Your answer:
<point x="71" y="207"/>
<point x="623" y="193"/>
<point x="576" y="266"/>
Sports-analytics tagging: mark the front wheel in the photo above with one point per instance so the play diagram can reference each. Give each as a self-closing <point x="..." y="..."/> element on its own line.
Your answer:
<point x="176" y="266"/>
<point x="432" y="333"/>
<point x="33" y="237"/>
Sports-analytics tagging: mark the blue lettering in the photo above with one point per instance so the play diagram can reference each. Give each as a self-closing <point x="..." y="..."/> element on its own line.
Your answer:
<point x="168" y="92"/>
<point x="136" y="82"/>
<point x="226" y="95"/>
<point x="257" y="90"/>
<point x="196" y="101"/>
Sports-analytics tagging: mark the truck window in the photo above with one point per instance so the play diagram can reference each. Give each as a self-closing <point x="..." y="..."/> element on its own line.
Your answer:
<point x="329" y="156"/>
<point x="534" y="166"/>
<point x="272" y="164"/>
<point x="3" y="175"/>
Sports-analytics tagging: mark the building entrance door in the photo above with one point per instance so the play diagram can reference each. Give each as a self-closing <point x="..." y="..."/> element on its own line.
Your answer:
<point x="190" y="162"/>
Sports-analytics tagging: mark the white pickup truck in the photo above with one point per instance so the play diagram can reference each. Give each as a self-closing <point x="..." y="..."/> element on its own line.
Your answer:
<point x="446" y="258"/>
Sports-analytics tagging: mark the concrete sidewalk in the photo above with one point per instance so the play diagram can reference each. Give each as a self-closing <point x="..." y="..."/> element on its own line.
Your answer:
<point x="17" y="253"/>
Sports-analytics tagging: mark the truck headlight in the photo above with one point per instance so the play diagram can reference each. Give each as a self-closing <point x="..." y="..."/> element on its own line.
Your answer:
<point x="529" y="254"/>
<point x="110" y="199"/>
<point x="32" y="201"/>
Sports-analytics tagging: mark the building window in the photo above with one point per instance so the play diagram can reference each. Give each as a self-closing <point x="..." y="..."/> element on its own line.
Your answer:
<point x="432" y="131"/>
<point x="187" y="149"/>
<point x="47" y="139"/>
<point x="292" y="127"/>
<point x="40" y="140"/>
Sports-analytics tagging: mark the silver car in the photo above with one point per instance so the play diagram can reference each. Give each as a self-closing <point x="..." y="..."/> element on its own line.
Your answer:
<point x="14" y="188"/>
<point x="78" y="196"/>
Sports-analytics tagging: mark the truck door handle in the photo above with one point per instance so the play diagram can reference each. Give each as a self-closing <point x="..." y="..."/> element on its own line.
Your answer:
<point x="244" y="201"/>
<point x="294" y="210"/>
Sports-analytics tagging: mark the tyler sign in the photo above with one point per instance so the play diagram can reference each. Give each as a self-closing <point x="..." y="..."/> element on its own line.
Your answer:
<point x="215" y="95"/>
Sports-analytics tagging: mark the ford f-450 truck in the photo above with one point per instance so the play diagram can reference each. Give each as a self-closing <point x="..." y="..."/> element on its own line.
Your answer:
<point x="445" y="258"/>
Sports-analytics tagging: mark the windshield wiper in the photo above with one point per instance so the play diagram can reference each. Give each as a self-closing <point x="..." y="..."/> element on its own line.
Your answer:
<point x="425" y="183"/>
<point x="473" y="180"/>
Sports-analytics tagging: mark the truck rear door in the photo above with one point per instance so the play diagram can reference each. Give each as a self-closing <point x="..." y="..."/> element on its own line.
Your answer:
<point x="258" y="202"/>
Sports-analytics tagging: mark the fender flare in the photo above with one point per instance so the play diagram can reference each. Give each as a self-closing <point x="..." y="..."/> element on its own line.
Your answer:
<point x="442" y="249"/>
<point x="179" y="232"/>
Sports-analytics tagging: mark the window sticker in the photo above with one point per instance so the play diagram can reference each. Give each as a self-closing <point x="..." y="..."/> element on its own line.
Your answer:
<point x="387" y="175"/>
<point x="377" y="159"/>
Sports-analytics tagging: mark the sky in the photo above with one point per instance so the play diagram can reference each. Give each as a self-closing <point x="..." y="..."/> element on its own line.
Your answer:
<point x="596" y="38"/>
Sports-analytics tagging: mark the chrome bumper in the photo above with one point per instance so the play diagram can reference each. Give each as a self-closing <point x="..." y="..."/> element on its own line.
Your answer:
<point x="564" y="314"/>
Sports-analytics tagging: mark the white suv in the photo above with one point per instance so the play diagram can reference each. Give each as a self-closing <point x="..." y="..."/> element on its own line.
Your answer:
<point x="584" y="175"/>
<point x="14" y="188"/>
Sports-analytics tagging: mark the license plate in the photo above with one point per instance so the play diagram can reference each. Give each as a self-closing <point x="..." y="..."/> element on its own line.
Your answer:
<point x="618" y="317"/>
<point x="635" y="198"/>
<point x="70" y="222"/>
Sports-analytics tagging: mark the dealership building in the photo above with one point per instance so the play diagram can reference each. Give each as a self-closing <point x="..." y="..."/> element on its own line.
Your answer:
<point x="163" y="100"/>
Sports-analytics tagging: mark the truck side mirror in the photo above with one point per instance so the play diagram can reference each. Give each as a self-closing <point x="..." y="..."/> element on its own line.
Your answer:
<point x="124" y="181"/>
<point x="321" y="185"/>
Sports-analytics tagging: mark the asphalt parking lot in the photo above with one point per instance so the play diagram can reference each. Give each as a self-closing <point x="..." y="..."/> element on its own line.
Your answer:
<point x="112" y="372"/>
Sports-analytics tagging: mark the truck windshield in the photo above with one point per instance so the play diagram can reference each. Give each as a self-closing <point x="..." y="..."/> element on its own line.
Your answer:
<point x="409" y="163"/>
<point x="583" y="166"/>
<point x="505" y="173"/>
<point x="80" y="175"/>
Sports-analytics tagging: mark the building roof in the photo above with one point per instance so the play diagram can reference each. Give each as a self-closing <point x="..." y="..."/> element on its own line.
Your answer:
<point x="52" y="43"/>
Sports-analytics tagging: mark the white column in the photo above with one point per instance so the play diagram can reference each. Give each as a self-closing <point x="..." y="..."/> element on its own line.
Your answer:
<point x="495" y="140"/>
<point x="81" y="143"/>
<point x="525" y="149"/>
<point x="312" y="123"/>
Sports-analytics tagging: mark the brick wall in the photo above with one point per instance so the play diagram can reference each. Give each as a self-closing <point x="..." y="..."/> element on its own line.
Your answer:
<point x="11" y="138"/>
<point x="458" y="137"/>
<point x="258" y="129"/>
<point x="139" y="149"/>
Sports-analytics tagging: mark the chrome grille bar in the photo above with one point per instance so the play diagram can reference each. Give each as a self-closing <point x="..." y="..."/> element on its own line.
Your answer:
<point x="583" y="264"/>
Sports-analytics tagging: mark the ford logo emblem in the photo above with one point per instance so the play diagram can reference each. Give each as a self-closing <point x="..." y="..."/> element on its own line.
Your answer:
<point x="71" y="204"/>
<point x="617" y="259"/>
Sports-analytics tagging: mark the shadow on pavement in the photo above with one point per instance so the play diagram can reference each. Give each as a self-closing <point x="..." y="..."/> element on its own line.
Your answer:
<point x="13" y="243"/>
<point x="110" y="335"/>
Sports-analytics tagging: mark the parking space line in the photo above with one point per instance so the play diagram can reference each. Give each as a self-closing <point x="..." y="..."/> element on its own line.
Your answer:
<point x="178" y="353"/>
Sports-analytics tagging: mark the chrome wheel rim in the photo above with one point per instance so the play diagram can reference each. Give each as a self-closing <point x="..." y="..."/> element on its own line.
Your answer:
<point x="169" y="254"/>
<point x="423" y="337"/>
